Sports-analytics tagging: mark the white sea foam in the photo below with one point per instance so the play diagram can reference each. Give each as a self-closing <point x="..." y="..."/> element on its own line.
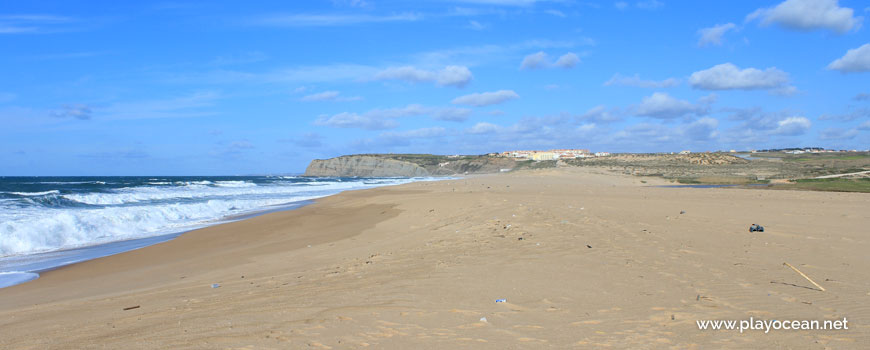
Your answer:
<point x="33" y="194"/>
<point x="193" y="191"/>
<point x="43" y="230"/>
<point x="148" y="211"/>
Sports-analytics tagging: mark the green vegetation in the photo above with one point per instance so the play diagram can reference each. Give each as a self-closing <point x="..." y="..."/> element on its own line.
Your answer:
<point x="720" y="180"/>
<point x="827" y="157"/>
<point x="424" y="160"/>
<point x="532" y="164"/>
<point x="835" y="185"/>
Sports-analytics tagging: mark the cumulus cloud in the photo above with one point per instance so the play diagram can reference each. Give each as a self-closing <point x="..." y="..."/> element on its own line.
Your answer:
<point x="307" y="140"/>
<point x="643" y="5"/>
<point x="328" y="96"/>
<point x="852" y="114"/>
<point x="541" y="60"/>
<point x="451" y="114"/>
<point x="75" y="111"/>
<point x="702" y="129"/>
<point x="636" y="81"/>
<point x="486" y="98"/>
<point x="792" y="126"/>
<point x="663" y="106"/>
<point x="599" y="114"/>
<point x="476" y="25"/>
<point x="329" y="20"/>
<point x="649" y="4"/>
<point x="809" y="15"/>
<point x="838" y="134"/>
<point x="385" y="118"/>
<point x="456" y="76"/>
<point x="482" y="128"/>
<point x="534" y="61"/>
<point x="727" y="76"/>
<point x="713" y="35"/>
<point x="353" y="120"/>
<point x="568" y="60"/>
<point x="415" y="134"/>
<point x="855" y="60"/>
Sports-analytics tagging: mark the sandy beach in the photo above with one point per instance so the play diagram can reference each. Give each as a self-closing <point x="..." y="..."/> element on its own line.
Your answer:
<point x="583" y="259"/>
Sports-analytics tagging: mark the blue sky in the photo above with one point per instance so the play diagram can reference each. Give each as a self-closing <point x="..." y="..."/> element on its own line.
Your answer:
<point x="172" y="88"/>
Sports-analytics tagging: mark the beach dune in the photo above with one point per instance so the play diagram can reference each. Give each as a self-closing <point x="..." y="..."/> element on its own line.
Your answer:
<point x="582" y="259"/>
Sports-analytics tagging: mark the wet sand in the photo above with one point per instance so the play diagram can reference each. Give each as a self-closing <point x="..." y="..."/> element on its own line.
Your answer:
<point x="584" y="260"/>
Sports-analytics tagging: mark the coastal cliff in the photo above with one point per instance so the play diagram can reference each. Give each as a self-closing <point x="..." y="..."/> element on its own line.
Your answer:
<point x="407" y="165"/>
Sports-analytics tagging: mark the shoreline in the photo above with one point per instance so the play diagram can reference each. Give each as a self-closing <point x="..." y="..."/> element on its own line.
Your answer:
<point x="583" y="259"/>
<point x="77" y="271"/>
<point x="23" y="268"/>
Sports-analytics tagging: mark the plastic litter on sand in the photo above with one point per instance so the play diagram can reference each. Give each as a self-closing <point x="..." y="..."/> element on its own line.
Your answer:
<point x="501" y="300"/>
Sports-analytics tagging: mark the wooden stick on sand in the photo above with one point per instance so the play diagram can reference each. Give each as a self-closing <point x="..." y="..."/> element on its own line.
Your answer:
<point x="805" y="276"/>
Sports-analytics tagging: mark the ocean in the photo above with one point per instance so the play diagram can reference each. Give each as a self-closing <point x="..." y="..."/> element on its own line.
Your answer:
<point x="48" y="222"/>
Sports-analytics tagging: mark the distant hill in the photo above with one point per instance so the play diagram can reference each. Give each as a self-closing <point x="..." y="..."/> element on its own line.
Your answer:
<point x="381" y="165"/>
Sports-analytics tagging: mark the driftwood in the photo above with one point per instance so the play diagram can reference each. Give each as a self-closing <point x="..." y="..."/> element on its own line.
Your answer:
<point x="804" y="276"/>
<point x="131" y="307"/>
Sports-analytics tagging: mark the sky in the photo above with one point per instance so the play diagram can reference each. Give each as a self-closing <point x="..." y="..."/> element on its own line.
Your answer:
<point x="234" y="88"/>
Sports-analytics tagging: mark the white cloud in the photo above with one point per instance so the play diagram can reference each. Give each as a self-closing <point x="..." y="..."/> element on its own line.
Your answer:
<point x="482" y="128"/>
<point x="29" y="24"/>
<point x="556" y="13"/>
<point x="600" y="114"/>
<point x="855" y="60"/>
<point x="864" y="126"/>
<point x="663" y="106"/>
<point x="643" y="5"/>
<point x="451" y="114"/>
<point x="852" y="114"/>
<point x="76" y="111"/>
<point x="636" y="81"/>
<point x="568" y="60"/>
<point x="353" y="120"/>
<point x="486" y="98"/>
<point x="792" y="126"/>
<point x="534" y="61"/>
<point x="809" y="15"/>
<point x="406" y="73"/>
<point x="502" y="2"/>
<point x="372" y="120"/>
<point x="415" y="134"/>
<point x="456" y="76"/>
<point x="702" y="129"/>
<point x="188" y="106"/>
<point x="727" y="76"/>
<point x="328" y="96"/>
<point x="385" y="118"/>
<point x="540" y="60"/>
<point x="838" y="134"/>
<point x="312" y="20"/>
<point x="713" y="35"/>
<point x="649" y="4"/>
<point x="476" y="25"/>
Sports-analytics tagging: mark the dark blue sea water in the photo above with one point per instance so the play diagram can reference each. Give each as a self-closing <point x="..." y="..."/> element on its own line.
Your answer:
<point x="47" y="222"/>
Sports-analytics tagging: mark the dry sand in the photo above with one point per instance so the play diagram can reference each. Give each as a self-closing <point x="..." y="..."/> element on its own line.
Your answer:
<point x="417" y="266"/>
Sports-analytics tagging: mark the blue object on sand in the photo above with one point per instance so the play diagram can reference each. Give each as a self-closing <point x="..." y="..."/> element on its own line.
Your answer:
<point x="501" y="300"/>
<point x="215" y="285"/>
